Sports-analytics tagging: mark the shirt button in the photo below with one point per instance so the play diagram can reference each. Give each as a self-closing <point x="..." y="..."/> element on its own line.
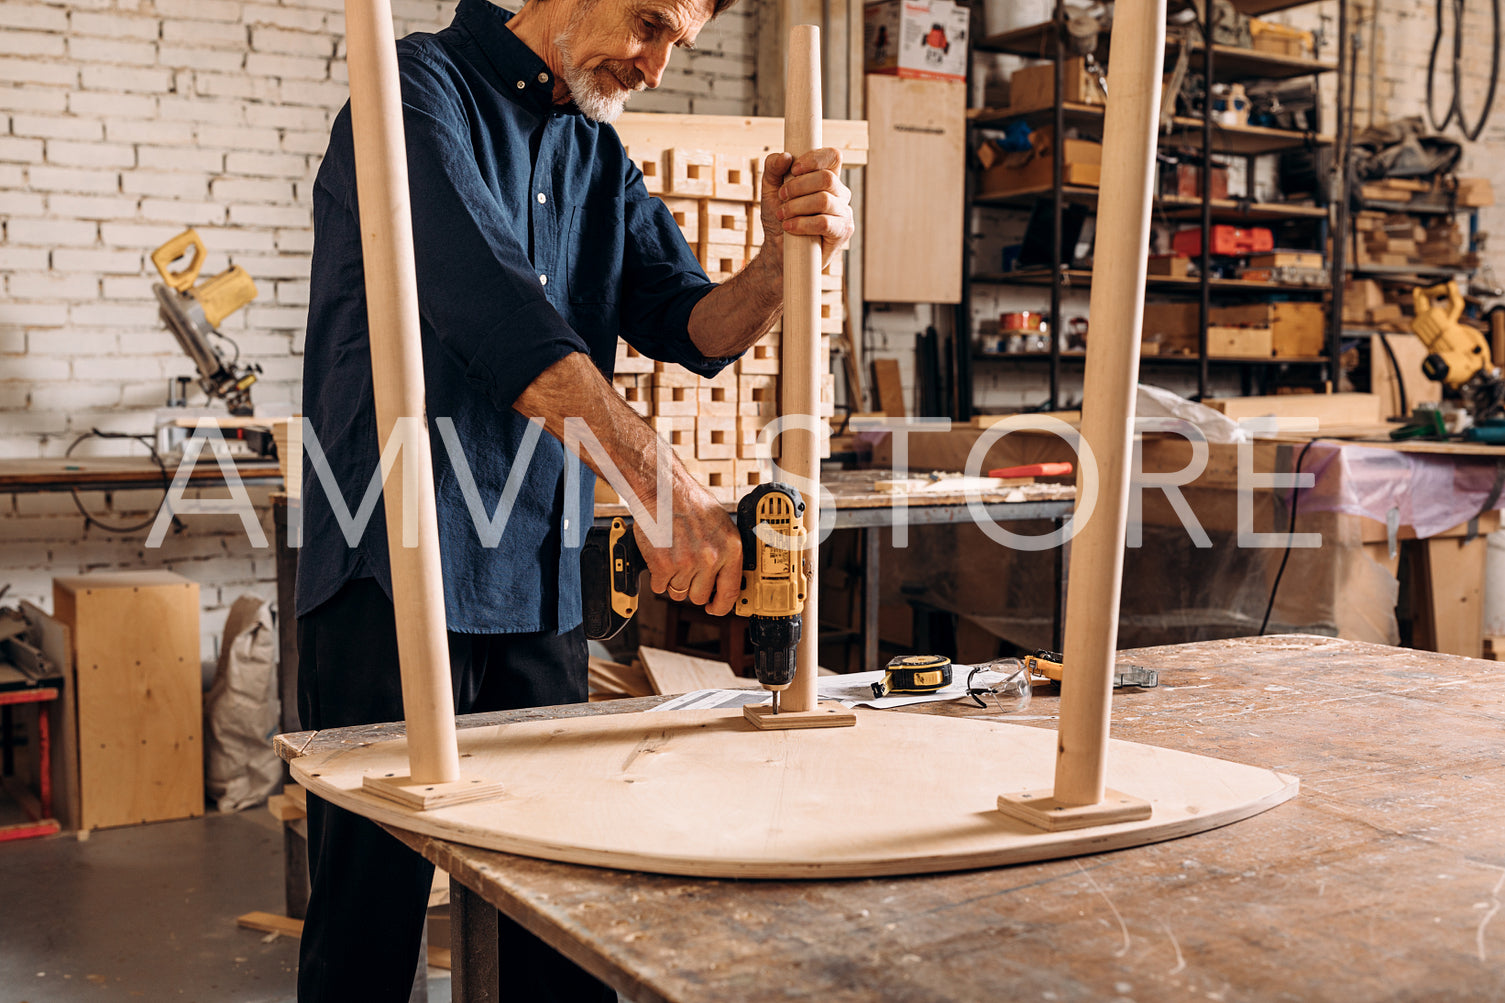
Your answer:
<point x="566" y="524"/>
<point x="543" y="280"/>
<point x="521" y="84"/>
<point x="542" y="198"/>
<point x="543" y="78"/>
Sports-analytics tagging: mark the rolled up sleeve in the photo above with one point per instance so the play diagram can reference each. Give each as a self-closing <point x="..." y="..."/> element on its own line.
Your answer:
<point x="662" y="283"/>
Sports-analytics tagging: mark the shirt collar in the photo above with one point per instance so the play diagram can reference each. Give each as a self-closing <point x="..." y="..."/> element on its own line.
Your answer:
<point x="523" y="74"/>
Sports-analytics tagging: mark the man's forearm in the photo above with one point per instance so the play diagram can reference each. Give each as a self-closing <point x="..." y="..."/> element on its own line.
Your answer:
<point x="740" y="310"/>
<point x="574" y="388"/>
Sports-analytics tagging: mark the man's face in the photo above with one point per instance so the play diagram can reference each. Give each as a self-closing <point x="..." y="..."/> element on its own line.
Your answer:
<point x="612" y="48"/>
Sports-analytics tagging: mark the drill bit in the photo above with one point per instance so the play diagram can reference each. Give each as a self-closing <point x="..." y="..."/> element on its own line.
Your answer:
<point x="775" y="701"/>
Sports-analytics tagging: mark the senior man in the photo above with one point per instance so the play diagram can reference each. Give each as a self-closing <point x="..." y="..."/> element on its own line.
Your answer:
<point x="537" y="246"/>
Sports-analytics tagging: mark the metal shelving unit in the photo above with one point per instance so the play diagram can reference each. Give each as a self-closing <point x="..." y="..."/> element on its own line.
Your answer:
<point x="1219" y="63"/>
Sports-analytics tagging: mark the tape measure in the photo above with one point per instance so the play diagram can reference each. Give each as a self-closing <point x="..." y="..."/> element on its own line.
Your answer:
<point x="914" y="674"/>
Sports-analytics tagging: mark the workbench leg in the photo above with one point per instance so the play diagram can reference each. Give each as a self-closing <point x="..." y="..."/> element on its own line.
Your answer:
<point x="870" y="547"/>
<point x="474" y="974"/>
<point x="1062" y="575"/>
<point x="284" y="509"/>
<point x="1454" y="578"/>
<point x="295" y="868"/>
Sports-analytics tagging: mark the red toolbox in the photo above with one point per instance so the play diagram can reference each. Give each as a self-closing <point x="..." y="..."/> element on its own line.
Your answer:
<point x="1225" y="240"/>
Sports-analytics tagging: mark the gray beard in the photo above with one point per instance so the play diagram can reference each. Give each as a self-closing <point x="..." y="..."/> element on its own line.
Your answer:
<point x="595" y="102"/>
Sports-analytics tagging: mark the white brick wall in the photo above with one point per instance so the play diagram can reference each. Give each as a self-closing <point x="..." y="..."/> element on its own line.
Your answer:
<point x="122" y="122"/>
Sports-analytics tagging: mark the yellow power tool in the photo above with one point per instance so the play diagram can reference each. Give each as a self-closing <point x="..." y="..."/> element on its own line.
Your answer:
<point x="1456" y="353"/>
<point x="194" y="313"/>
<point x="774" y="580"/>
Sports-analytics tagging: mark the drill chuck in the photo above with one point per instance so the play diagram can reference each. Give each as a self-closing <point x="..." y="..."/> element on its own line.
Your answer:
<point x="774" y="639"/>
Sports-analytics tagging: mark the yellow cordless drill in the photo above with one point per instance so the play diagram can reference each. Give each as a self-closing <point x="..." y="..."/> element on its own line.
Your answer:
<point x="774" y="581"/>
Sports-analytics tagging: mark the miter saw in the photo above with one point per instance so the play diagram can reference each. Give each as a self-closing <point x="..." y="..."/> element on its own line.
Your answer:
<point x="1459" y="357"/>
<point x="194" y="313"/>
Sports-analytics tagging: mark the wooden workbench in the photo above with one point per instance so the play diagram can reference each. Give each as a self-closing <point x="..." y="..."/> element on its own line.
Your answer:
<point x="1383" y="879"/>
<point x="110" y="473"/>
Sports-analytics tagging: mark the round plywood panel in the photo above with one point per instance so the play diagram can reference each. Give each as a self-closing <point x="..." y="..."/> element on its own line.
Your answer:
<point x="705" y="793"/>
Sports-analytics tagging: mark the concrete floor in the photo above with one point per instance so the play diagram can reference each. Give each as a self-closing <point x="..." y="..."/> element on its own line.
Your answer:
<point x="148" y="913"/>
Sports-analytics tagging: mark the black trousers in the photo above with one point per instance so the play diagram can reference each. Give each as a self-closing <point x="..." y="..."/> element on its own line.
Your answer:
<point x="368" y="892"/>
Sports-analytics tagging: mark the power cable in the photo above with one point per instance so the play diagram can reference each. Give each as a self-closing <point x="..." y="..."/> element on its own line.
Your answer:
<point x="1290" y="538"/>
<point x="147" y="441"/>
<point x="1455" y="106"/>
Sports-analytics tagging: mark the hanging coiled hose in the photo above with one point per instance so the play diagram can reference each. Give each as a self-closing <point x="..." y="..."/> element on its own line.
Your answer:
<point x="1455" y="106"/>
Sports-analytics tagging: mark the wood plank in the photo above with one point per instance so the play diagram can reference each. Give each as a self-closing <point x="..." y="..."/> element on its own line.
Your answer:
<point x="271" y="922"/>
<point x="673" y="672"/>
<point x="1455" y="587"/>
<point x="913" y="226"/>
<point x="136" y="646"/>
<point x="890" y="387"/>
<point x="1328" y="409"/>
<point x="705" y="793"/>
<point x="757" y="135"/>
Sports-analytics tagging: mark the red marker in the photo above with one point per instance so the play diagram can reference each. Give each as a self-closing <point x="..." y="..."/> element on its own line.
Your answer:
<point x="1033" y="470"/>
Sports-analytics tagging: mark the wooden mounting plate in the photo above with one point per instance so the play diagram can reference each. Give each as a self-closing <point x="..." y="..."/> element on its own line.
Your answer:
<point x="822" y="715"/>
<point x="705" y="793"/>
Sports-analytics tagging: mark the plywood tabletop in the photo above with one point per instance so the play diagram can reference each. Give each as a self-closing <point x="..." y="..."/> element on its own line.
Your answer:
<point x="1381" y="880"/>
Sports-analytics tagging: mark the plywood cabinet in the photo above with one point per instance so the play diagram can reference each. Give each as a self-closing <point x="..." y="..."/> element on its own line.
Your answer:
<point x="136" y="653"/>
<point x="916" y="176"/>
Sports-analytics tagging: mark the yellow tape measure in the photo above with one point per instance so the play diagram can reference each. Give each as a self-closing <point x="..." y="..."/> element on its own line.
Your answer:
<point x="914" y="674"/>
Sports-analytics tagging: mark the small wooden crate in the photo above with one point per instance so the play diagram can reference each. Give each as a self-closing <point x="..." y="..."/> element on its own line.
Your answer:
<point x="734" y="178"/>
<point x="692" y="173"/>
<point x="718" y="396"/>
<point x="634" y="390"/>
<point x="725" y="223"/>
<point x="678" y="432"/>
<point x="686" y="213"/>
<point x="762" y="358"/>
<point x="630" y="360"/>
<point x="722" y="261"/>
<point x="715" y="438"/>
<point x="651" y="163"/>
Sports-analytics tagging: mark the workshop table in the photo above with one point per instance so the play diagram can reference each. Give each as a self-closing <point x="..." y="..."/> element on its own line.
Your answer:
<point x="1382" y="879"/>
<point x="859" y="506"/>
<point x="117" y="473"/>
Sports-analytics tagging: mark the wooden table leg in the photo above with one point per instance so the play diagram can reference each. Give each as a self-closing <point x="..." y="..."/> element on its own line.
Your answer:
<point x="871" y="551"/>
<point x="1063" y="578"/>
<point x="295" y="867"/>
<point x="475" y="977"/>
<point x="1453" y="573"/>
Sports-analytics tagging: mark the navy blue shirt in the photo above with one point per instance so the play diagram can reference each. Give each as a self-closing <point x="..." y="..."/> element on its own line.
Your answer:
<point x="534" y="238"/>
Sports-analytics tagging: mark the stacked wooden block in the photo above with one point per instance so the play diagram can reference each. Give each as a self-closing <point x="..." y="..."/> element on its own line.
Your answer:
<point x="714" y="424"/>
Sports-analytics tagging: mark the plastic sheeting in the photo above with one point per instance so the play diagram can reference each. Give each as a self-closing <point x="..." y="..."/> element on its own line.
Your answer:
<point x="1430" y="492"/>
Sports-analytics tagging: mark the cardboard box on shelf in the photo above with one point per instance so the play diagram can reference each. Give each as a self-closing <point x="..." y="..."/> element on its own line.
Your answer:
<point x="1298" y="329"/>
<point x="1026" y="169"/>
<point x="1239" y="342"/>
<point x="1172" y="265"/>
<point x="926" y="39"/>
<point x="1035" y="86"/>
<point x="1281" y="40"/>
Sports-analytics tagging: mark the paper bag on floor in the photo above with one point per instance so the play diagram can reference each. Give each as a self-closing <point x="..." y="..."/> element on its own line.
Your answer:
<point x="241" y="711"/>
